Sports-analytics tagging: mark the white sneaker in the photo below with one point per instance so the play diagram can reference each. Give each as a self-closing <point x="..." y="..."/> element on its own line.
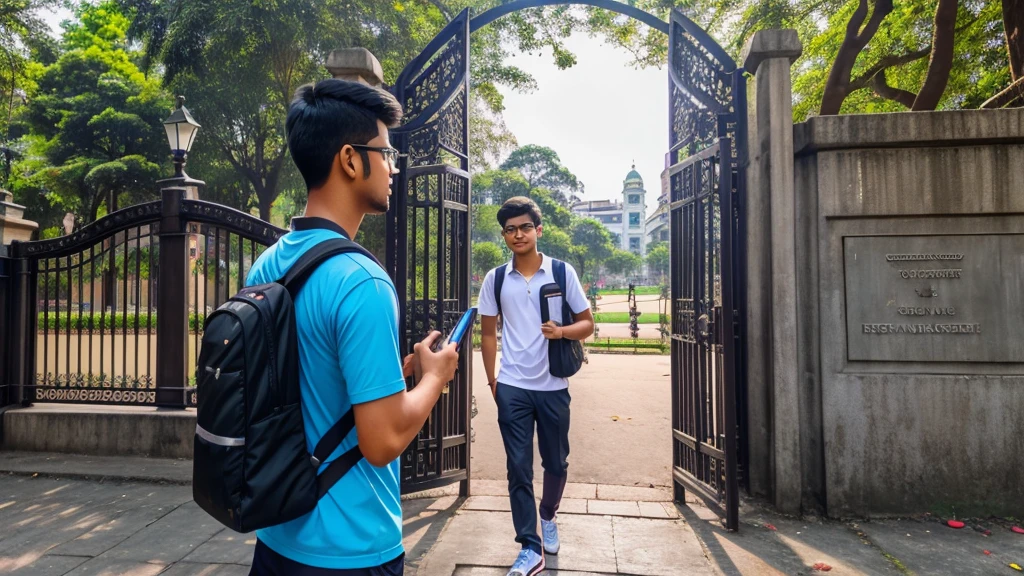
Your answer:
<point x="550" y="536"/>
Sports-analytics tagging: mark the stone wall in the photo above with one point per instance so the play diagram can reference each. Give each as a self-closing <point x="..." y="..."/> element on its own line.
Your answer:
<point x="885" y="305"/>
<point x="912" y="421"/>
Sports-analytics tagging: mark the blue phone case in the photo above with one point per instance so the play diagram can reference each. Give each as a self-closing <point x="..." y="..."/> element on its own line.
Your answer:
<point x="461" y="329"/>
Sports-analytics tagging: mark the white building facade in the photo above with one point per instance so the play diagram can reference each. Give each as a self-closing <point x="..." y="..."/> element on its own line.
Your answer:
<point x="624" y="219"/>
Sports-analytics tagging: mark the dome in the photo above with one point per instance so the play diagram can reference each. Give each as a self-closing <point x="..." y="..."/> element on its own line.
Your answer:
<point x="634" y="175"/>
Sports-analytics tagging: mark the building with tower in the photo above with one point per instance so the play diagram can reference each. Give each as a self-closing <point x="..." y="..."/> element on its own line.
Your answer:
<point x="625" y="219"/>
<point x="634" y="210"/>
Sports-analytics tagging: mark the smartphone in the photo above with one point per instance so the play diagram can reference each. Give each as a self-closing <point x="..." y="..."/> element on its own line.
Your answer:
<point x="459" y="332"/>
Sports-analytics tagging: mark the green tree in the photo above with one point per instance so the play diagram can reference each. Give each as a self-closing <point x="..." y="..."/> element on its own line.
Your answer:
<point x="552" y="211"/>
<point x="486" y="255"/>
<point x="622" y="262"/>
<point x="591" y="245"/>
<point x="485" y="223"/>
<point x="556" y="243"/>
<point x="542" y="168"/>
<point x="239" y="63"/>
<point x="658" y="259"/>
<point x="24" y="38"/>
<point x="885" y="56"/>
<point x="96" y="139"/>
<point x="497" y="186"/>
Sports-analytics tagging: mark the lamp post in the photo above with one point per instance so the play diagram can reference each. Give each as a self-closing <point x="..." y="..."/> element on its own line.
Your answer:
<point x="172" y="290"/>
<point x="181" y="134"/>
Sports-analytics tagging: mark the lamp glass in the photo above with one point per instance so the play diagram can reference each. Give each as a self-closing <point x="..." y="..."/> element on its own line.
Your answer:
<point x="180" y="135"/>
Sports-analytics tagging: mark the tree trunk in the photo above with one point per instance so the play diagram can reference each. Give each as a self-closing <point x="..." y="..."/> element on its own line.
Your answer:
<point x="942" y="57"/>
<point x="265" y="202"/>
<point x="1013" y="25"/>
<point x="837" y="88"/>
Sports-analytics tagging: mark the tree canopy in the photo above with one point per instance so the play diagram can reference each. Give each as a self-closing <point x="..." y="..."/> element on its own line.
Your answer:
<point x="94" y="122"/>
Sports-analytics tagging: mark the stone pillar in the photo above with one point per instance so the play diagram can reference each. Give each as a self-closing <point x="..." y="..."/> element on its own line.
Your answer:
<point x="357" y="65"/>
<point x="772" y="302"/>
<point x="12" y="225"/>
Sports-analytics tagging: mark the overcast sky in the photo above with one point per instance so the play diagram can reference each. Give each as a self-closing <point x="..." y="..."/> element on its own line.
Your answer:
<point x="599" y="115"/>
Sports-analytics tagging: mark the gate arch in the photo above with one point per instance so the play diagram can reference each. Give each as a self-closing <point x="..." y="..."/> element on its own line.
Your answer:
<point x="428" y="245"/>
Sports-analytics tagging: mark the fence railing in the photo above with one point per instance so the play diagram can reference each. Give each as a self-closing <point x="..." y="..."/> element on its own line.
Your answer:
<point x="113" y="313"/>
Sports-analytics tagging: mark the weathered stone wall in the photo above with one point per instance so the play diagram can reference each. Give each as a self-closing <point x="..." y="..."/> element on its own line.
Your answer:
<point x="945" y="431"/>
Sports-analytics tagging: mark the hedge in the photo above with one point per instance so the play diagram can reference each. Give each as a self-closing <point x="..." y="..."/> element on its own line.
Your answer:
<point x="623" y="318"/>
<point x="95" y="321"/>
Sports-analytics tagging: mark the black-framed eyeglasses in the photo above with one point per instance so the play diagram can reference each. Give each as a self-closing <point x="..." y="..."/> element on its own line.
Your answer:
<point x="390" y="154"/>
<point x="526" y="228"/>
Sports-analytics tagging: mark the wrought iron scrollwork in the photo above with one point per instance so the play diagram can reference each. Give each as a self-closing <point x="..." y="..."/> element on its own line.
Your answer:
<point x="91" y="234"/>
<point x="703" y="81"/>
<point x="230" y="220"/>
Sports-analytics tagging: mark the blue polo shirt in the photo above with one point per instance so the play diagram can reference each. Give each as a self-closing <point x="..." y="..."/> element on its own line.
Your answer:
<point x="347" y="321"/>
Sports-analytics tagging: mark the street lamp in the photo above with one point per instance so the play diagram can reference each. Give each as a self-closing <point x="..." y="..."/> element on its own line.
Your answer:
<point x="181" y="134"/>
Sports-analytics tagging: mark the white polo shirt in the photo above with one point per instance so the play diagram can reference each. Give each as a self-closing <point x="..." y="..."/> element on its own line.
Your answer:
<point x="524" y="350"/>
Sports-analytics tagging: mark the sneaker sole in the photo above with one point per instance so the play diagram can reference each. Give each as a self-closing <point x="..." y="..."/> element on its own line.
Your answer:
<point x="537" y="569"/>
<point x="554" y="552"/>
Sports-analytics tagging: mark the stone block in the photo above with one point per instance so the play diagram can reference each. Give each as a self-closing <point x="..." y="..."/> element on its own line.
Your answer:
<point x="657" y="548"/>
<point x="356" y="64"/>
<point x="610" y="508"/>
<point x="101" y="430"/>
<point x="769" y="44"/>
<point x="634" y="493"/>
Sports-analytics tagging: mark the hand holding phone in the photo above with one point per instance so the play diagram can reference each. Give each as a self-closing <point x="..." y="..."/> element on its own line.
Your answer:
<point x="442" y="362"/>
<point x="459" y="332"/>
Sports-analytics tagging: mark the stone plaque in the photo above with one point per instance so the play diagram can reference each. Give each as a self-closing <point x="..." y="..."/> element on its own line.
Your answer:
<point x="935" y="298"/>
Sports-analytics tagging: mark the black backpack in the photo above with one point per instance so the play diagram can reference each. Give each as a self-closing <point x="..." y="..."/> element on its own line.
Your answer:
<point x="251" y="468"/>
<point x="564" y="356"/>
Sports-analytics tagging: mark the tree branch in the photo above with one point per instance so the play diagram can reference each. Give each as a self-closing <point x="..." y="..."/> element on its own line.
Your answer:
<point x="837" y="88"/>
<point x="882" y="88"/>
<point x="942" y="57"/>
<point x="1015" y="93"/>
<point x="884" y="64"/>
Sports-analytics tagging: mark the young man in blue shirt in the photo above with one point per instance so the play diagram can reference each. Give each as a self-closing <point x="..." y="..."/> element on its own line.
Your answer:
<point x="525" y="391"/>
<point x="347" y="322"/>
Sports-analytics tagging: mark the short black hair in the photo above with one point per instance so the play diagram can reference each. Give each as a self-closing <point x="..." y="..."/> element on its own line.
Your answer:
<point x="518" y="206"/>
<point x="324" y="117"/>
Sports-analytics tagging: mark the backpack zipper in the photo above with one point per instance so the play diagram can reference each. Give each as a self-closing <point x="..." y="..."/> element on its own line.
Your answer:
<point x="270" y="351"/>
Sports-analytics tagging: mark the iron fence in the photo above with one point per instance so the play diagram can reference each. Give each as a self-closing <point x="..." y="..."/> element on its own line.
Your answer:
<point x="113" y="313"/>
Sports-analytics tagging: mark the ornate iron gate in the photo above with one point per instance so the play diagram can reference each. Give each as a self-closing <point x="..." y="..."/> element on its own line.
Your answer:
<point x="707" y="139"/>
<point x="428" y="248"/>
<point x="89" y="309"/>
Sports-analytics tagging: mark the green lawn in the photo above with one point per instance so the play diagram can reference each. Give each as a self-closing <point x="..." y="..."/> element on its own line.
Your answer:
<point x="640" y="291"/>
<point x="623" y="318"/>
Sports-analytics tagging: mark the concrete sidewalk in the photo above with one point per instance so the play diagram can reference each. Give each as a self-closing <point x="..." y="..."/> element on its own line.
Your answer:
<point x="51" y="525"/>
<point x="79" y="515"/>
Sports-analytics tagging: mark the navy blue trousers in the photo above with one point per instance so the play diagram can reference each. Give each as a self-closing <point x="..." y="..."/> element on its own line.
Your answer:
<point x="266" y="562"/>
<point x="519" y="411"/>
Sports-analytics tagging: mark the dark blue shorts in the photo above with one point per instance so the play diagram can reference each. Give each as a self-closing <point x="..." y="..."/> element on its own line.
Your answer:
<point x="266" y="562"/>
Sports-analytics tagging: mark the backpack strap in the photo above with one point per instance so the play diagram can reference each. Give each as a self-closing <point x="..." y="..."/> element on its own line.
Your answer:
<point x="499" y="279"/>
<point x="293" y="281"/>
<point x="558" y="268"/>
<point x="300" y="272"/>
<point x="340" y="465"/>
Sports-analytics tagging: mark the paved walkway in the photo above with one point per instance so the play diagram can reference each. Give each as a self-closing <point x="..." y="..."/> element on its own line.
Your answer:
<point x="620" y="429"/>
<point x="73" y="515"/>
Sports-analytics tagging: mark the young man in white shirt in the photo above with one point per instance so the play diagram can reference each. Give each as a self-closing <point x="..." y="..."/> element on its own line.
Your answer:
<point x="525" y="391"/>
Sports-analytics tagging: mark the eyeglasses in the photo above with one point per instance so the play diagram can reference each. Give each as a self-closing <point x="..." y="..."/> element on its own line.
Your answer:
<point x="389" y="154"/>
<point x="510" y="230"/>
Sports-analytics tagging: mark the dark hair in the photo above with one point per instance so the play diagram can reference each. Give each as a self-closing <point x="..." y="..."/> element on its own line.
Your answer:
<point x="518" y="206"/>
<point x="324" y="117"/>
